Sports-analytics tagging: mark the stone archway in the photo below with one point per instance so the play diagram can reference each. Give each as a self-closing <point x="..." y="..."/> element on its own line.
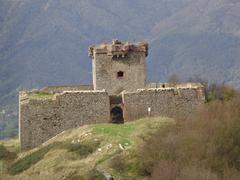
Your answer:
<point x="117" y="115"/>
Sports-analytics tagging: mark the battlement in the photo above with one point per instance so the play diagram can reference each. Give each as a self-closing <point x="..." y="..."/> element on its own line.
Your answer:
<point x="118" y="49"/>
<point x="119" y="66"/>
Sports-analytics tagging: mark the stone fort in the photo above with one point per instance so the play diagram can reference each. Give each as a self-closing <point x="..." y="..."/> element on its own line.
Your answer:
<point x="119" y="94"/>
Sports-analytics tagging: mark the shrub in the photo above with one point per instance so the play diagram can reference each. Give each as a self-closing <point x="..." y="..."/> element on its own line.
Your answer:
<point x="5" y="154"/>
<point x="95" y="174"/>
<point x="208" y="141"/>
<point x="90" y="175"/>
<point x="215" y="91"/>
<point x="219" y="92"/>
<point x="160" y="146"/>
<point x="84" y="149"/>
<point x="31" y="159"/>
<point x="196" y="173"/>
<point x="119" y="163"/>
<point x="26" y="162"/>
<point x="165" y="170"/>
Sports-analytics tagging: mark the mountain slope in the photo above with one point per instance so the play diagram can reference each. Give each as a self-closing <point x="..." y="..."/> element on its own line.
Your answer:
<point x="201" y="39"/>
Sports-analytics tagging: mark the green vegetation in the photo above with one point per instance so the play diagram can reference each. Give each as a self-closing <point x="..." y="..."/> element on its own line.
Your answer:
<point x="219" y="92"/>
<point x="203" y="146"/>
<point x="3" y="152"/>
<point x="6" y="154"/>
<point x="93" y="174"/>
<point x="8" y="121"/>
<point x="119" y="163"/>
<point x="89" y="152"/>
<point x="40" y="95"/>
<point x="26" y="162"/>
<point x="84" y="149"/>
<point x="120" y="133"/>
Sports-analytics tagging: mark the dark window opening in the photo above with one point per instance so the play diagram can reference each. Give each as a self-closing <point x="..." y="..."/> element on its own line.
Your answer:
<point x="119" y="57"/>
<point x="117" y="115"/>
<point x="120" y="74"/>
<point x="163" y="85"/>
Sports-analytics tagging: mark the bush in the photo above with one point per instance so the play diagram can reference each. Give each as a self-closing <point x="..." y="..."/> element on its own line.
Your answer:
<point x="5" y="154"/>
<point x="160" y="146"/>
<point x="219" y="92"/>
<point x="165" y="170"/>
<point x="84" y="149"/>
<point x="208" y="142"/>
<point x="96" y="175"/>
<point x="196" y="173"/>
<point x="29" y="160"/>
<point x="118" y="163"/>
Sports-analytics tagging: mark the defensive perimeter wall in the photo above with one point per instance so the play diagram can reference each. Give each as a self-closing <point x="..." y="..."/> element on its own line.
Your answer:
<point x="43" y="116"/>
<point x="170" y="102"/>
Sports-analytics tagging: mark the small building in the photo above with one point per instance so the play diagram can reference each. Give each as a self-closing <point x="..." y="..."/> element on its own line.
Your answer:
<point x="119" y="93"/>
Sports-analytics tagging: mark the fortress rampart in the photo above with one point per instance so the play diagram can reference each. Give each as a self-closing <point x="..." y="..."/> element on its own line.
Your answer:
<point x="119" y="93"/>
<point x="169" y="102"/>
<point x="43" y="117"/>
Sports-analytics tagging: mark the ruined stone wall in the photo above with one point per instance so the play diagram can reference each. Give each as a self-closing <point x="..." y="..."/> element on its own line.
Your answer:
<point x="41" y="119"/>
<point x="172" y="85"/>
<point x="162" y="102"/>
<point x="105" y="71"/>
<point x="59" y="89"/>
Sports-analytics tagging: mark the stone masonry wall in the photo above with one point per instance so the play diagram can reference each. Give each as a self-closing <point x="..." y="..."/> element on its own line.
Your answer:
<point x="172" y="85"/>
<point x="105" y="72"/>
<point x="41" y="119"/>
<point x="162" y="102"/>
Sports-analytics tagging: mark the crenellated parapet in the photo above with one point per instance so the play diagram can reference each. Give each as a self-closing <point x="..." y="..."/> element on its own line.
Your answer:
<point x="118" y="49"/>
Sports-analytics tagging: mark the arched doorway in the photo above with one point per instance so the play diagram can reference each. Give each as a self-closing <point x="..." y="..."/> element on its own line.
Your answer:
<point x="117" y="115"/>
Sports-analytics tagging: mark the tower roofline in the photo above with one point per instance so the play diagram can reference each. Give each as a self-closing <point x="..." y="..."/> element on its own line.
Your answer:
<point x="118" y="48"/>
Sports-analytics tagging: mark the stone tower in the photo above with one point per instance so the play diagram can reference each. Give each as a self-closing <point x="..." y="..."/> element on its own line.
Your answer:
<point x="118" y="66"/>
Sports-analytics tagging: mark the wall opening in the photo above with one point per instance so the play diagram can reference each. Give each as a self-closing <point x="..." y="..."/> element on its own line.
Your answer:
<point x="120" y="74"/>
<point x="117" y="115"/>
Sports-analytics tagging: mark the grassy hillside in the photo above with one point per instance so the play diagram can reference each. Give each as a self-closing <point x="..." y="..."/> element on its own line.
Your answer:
<point x="89" y="152"/>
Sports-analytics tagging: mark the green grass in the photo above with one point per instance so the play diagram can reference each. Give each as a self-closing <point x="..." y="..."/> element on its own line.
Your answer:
<point x="117" y="132"/>
<point x="29" y="160"/>
<point x="83" y="149"/>
<point x="5" y="154"/>
<point x="75" y="153"/>
<point x="40" y="95"/>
